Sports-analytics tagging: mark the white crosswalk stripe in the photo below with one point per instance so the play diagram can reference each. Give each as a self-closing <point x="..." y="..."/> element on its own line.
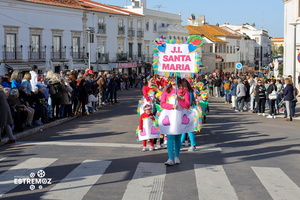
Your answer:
<point x="25" y="168"/>
<point x="79" y="181"/>
<point x="148" y="180"/>
<point x="2" y="158"/>
<point x="202" y="147"/>
<point x="213" y="183"/>
<point x="277" y="183"/>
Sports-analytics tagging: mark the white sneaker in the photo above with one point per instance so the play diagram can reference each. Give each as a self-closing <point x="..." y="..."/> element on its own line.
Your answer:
<point x="151" y="148"/>
<point x="144" y="149"/>
<point x="156" y="147"/>
<point x="263" y="114"/>
<point x="163" y="146"/>
<point x="177" y="161"/>
<point x="169" y="162"/>
<point x="269" y="117"/>
<point x="186" y="143"/>
<point x="273" y="116"/>
<point x="192" y="149"/>
<point x="259" y="114"/>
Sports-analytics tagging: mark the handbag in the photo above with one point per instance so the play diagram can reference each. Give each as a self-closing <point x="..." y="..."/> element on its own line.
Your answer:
<point x="273" y="95"/>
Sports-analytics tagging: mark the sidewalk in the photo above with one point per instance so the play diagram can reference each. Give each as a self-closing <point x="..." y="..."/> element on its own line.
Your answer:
<point x="38" y="129"/>
<point x="280" y="115"/>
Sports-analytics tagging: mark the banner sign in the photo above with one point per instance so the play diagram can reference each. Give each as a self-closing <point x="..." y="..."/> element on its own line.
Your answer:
<point x="177" y="58"/>
<point x="128" y="65"/>
<point x="173" y="57"/>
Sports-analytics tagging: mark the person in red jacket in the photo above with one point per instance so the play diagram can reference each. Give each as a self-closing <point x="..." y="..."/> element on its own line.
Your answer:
<point x="146" y="115"/>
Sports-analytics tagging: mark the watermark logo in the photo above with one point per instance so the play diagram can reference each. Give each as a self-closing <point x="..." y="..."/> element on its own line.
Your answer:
<point x="34" y="180"/>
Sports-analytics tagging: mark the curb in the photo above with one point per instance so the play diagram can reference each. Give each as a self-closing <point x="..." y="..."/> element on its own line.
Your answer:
<point x="38" y="129"/>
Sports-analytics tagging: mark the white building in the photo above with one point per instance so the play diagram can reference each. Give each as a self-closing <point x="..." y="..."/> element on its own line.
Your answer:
<point x="262" y="44"/>
<point x="291" y="15"/>
<point x="223" y="47"/>
<point x="39" y="34"/>
<point x="60" y="34"/>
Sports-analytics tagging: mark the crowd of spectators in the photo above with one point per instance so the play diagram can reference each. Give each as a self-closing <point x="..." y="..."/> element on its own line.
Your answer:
<point x="253" y="93"/>
<point x="35" y="99"/>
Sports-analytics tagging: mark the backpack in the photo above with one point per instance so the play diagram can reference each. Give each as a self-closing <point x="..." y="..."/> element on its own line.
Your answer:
<point x="52" y="90"/>
<point x="227" y="85"/>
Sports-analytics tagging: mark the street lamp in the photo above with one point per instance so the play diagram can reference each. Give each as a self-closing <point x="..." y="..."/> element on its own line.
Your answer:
<point x="237" y="58"/>
<point x="89" y="46"/>
<point x="295" y="45"/>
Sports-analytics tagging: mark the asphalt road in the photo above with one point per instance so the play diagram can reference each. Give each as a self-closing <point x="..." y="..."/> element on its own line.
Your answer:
<point x="96" y="157"/>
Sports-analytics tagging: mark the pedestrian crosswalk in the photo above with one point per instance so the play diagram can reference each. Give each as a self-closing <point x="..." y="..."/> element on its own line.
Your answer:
<point x="148" y="180"/>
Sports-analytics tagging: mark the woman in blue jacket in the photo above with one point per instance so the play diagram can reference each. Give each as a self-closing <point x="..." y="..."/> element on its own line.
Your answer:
<point x="288" y="92"/>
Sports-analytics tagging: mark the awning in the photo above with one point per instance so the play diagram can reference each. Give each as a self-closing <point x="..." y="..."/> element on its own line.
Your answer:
<point x="78" y="66"/>
<point x="104" y="67"/>
<point x="24" y="67"/>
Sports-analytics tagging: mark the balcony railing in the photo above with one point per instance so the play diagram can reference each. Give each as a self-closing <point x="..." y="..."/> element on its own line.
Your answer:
<point x="13" y="54"/>
<point x="101" y="28"/>
<point x="121" y="30"/>
<point x="77" y="55"/>
<point x="36" y="55"/>
<point x="122" y="57"/>
<point x="131" y="32"/>
<point x="140" y="32"/>
<point x="58" y="55"/>
<point x="103" y="57"/>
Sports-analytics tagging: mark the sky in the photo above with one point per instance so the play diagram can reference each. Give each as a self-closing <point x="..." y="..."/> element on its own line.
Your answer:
<point x="266" y="14"/>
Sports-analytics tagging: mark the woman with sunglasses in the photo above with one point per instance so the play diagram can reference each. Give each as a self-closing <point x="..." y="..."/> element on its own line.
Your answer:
<point x="260" y="97"/>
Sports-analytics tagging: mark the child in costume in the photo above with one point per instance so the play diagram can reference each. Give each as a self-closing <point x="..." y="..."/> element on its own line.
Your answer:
<point x="204" y="106"/>
<point x="156" y="111"/>
<point x="186" y="84"/>
<point x="146" y="116"/>
<point x="148" y="95"/>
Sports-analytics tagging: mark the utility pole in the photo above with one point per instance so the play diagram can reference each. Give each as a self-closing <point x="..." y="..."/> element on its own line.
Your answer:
<point x="294" y="53"/>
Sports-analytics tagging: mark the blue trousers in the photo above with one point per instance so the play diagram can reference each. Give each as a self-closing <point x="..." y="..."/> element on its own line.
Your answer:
<point x="191" y="136"/>
<point x="174" y="142"/>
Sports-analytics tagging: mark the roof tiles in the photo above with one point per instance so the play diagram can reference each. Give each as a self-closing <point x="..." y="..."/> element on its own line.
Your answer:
<point x="85" y="5"/>
<point x="212" y="32"/>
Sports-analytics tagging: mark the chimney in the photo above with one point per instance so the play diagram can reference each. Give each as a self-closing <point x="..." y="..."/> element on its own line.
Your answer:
<point x="201" y="20"/>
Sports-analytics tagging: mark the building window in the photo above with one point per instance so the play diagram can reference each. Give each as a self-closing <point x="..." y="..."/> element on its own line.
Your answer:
<point x="130" y="50"/>
<point x="35" y="43"/>
<point x="139" y="50"/>
<point x="57" y="43"/>
<point x="256" y="52"/>
<point x="56" y="48"/>
<point x="101" y="26"/>
<point x="11" y="40"/>
<point x="76" y="47"/>
<point x="147" y="25"/>
<point x="131" y="31"/>
<point x="155" y="27"/>
<point x="121" y="28"/>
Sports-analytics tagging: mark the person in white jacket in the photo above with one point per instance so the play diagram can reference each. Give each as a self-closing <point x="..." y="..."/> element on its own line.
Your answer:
<point x="34" y="76"/>
<point x="252" y="83"/>
<point x="91" y="99"/>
